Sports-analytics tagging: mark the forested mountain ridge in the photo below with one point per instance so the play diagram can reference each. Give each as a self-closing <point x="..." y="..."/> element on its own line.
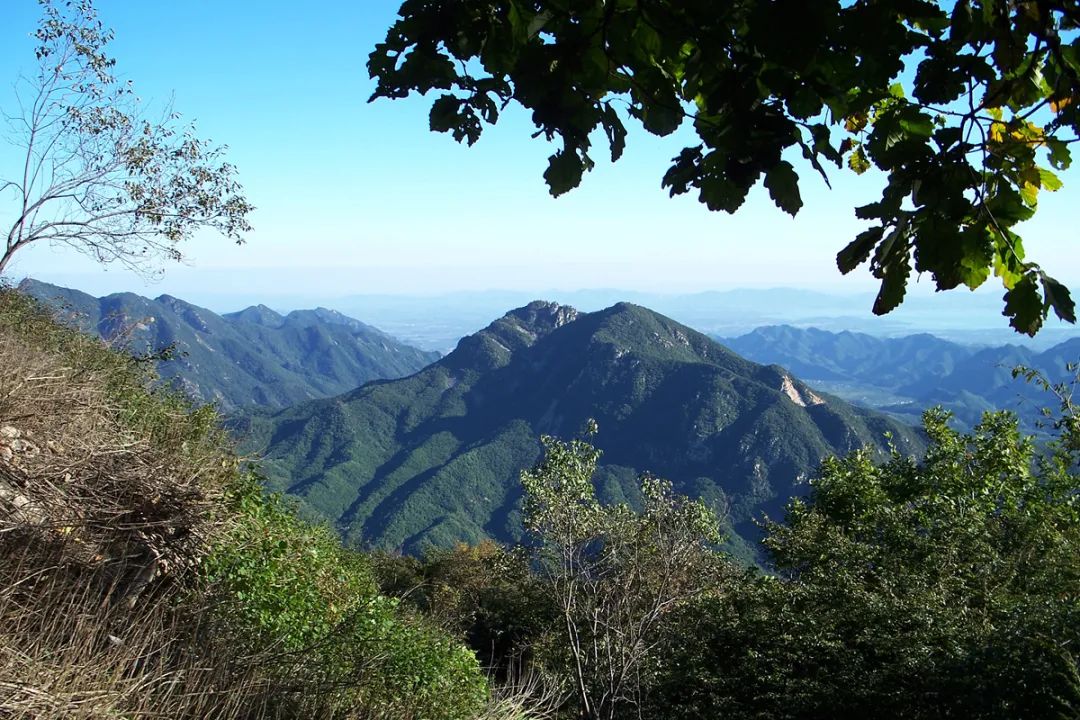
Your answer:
<point x="252" y="357"/>
<point x="817" y="354"/>
<point x="906" y="375"/>
<point x="434" y="457"/>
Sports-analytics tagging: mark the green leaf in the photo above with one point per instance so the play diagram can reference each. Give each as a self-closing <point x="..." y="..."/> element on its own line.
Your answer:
<point x="443" y="116"/>
<point x="450" y="114"/>
<point x="977" y="257"/>
<point x="783" y="185"/>
<point x="646" y="39"/>
<point x="564" y="172"/>
<point x="718" y="193"/>
<point x="858" y="250"/>
<point x="1060" y="156"/>
<point x="1008" y="207"/>
<point x="869" y="211"/>
<point x="1024" y="306"/>
<point x="961" y="21"/>
<point x="1058" y="297"/>
<point x="615" y="131"/>
<point x="894" y="277"/>
<point x="804" y="103"/>
<point x="918" y="124"/>
<point x="662" y="118"/>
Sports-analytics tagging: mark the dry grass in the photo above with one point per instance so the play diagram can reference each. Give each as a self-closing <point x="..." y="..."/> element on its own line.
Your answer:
<point x="107" y="501"/>
<point x="525" y="695"/>
<point x="110" y="497"/>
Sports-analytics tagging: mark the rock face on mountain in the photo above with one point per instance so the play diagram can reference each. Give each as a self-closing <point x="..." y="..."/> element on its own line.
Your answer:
<point x="434" y="458"/>
<point x="255" y="357"/>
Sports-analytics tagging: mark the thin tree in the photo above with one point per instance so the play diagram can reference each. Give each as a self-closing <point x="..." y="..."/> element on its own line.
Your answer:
<point x="616" y="574"/>
<point x="97" y="175"/>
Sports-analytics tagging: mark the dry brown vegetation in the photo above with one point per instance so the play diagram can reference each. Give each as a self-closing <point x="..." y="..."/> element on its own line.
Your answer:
<point x="107" y="500"/>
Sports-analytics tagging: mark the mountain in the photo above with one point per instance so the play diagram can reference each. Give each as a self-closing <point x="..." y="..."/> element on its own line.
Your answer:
<point x="986" y="379"/>
<point x="252" y="357"/>
<point x="434" y="458"/>
<point x="821" y="355"/>
<point x="908" y="374"/>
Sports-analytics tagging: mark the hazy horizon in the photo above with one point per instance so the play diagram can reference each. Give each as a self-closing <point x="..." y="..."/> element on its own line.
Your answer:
<point x="436" y="320"/>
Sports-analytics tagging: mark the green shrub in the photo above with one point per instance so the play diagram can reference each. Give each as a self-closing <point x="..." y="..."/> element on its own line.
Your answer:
<point x="312" y="611"/>
<point x="948" y="587"/>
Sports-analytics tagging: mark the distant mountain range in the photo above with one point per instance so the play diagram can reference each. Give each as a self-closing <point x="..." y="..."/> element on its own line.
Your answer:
<point x="909" y="374"/>
<point x="438" y="322"/>
<point x="434" y="458"/>
<point x="252" y="357"/>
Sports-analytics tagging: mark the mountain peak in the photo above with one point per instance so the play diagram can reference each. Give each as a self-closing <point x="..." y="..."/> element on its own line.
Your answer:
<point x="520" y="328"/>
<point x="258" y="315"/>
<point x="540" y="316"/>
<point x="434" y="458"/>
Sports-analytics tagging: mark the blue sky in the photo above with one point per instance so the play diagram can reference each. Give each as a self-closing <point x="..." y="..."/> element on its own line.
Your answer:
<point x="362" y="198"/>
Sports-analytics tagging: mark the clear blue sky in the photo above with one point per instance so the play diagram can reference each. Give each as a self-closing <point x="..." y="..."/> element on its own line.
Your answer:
<point x="359" y="198"/>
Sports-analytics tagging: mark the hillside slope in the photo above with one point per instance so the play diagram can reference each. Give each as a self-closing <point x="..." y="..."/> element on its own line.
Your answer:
<point x="252" y="357"/>
<point x="435" y="457"/>
<point x="144" y="573"/>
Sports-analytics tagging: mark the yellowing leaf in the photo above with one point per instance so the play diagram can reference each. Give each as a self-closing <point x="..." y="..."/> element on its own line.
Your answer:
<point x="1030" y="194"/>
<point x="1030" y="175"/>
<point x="855" y="123"/>
<point x="1059" y="104"/>
<point x="997" y="132"/>
<point x="1028" y="131"/>
<point x="1008" y="277"/>
<point x="858" y="161"/>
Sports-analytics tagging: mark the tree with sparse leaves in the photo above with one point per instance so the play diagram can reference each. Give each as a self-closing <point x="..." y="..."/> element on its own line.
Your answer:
<point x="616" y="575"/>
<point x="967" y="108"/>
<point x="95" y="174"/>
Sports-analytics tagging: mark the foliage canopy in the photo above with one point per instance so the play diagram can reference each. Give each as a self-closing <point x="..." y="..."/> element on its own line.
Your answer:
<point x="967" y="108"/>
<point x="948" y="587"/>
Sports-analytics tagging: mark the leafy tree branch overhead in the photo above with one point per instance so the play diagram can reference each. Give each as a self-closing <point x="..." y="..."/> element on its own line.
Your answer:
<point x="968" y="108"/>
<point x="96" y="174"/>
